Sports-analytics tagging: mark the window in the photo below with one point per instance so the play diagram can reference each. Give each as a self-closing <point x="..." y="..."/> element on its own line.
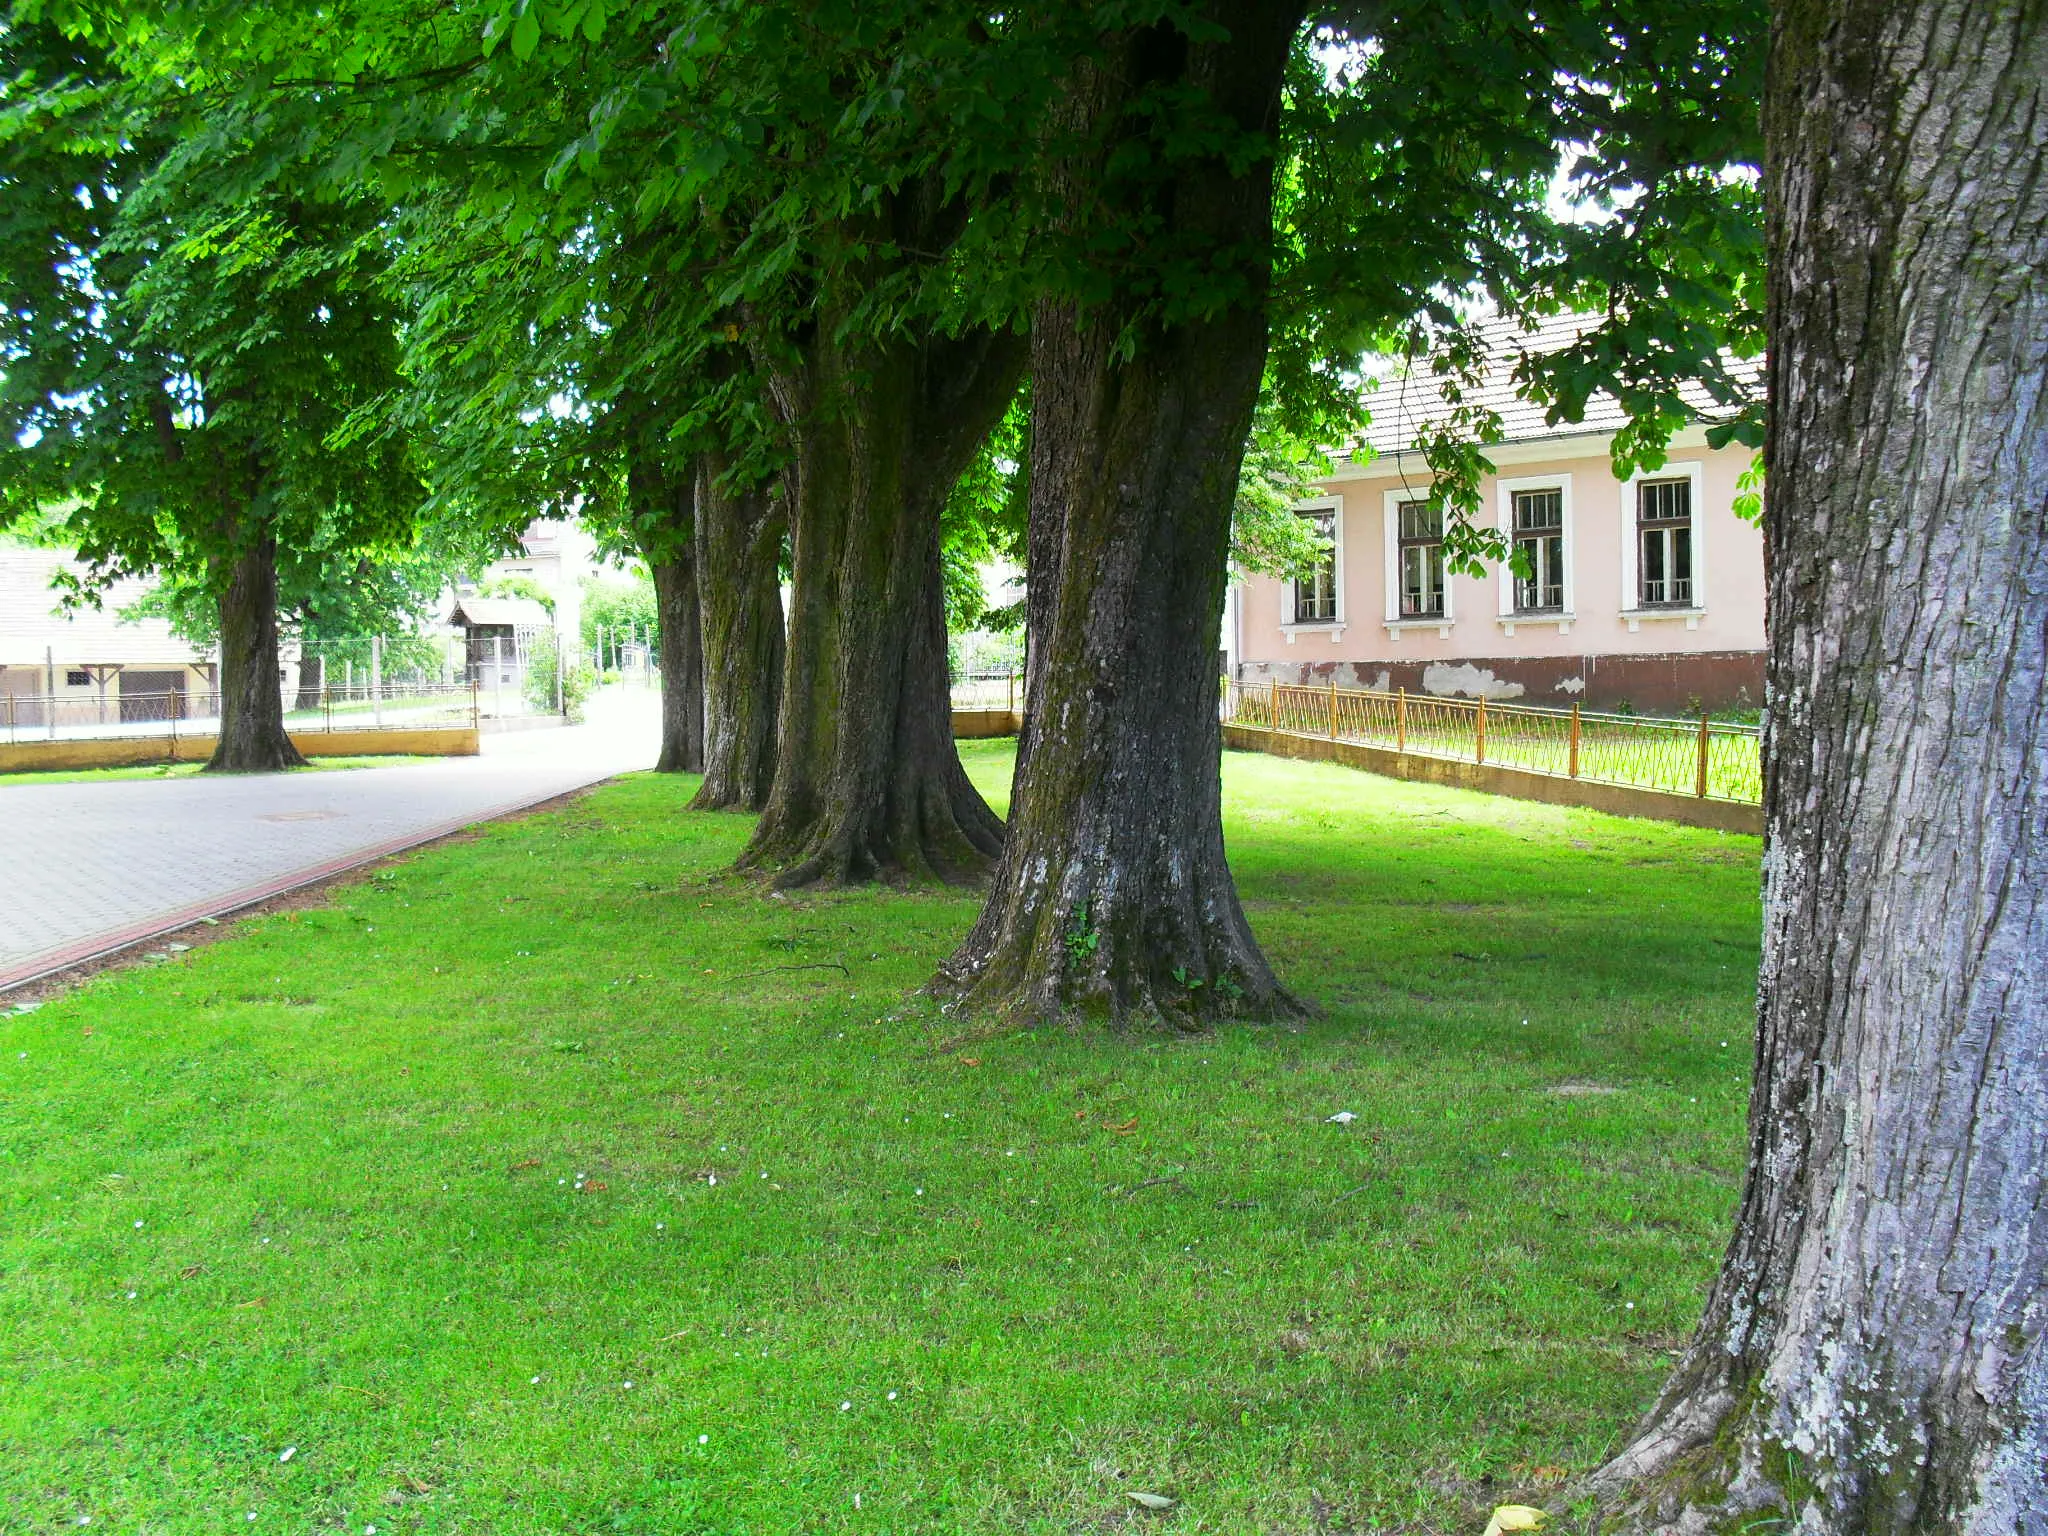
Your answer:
<point x="1315" y="599"/>
<point x="77" y="679"/>
<point x="1315" y="594"/>
<point x="1421" y="564"/>
<point x="1539" y="545"/>
<point x="1664" y="543"/>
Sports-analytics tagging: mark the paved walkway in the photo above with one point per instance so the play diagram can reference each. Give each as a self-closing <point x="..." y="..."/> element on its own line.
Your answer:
<point x="88" y="867"/>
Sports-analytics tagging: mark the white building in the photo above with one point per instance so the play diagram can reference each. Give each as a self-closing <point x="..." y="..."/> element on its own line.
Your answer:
<point x="99" y="667"/>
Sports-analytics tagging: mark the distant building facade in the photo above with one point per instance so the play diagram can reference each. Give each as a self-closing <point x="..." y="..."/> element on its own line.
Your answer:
<point x="1645" y="592"/>
<point x="555" y="556"/>
<point x="96" y="665"/>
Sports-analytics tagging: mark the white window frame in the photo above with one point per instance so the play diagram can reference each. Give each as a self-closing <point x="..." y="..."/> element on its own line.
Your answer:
<point x="1509" y="618"/>
<point x="1334" y="628"/>
<point x="1632" y="613"/>
<point x="1390" y="529"/>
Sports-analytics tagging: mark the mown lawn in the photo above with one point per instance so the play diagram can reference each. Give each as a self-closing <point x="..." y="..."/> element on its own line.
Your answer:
<point x="531" y="1187"/>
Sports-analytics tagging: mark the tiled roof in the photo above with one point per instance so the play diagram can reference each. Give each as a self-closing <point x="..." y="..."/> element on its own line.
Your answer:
<point x="1404" y="403"/>
<point x="30" y="624"/>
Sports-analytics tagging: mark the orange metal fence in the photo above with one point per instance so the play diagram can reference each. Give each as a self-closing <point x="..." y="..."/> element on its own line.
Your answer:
<point x="1706" y="758"/>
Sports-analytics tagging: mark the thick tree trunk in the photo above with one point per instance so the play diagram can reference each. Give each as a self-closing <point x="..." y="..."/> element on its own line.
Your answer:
<point x="1872" y="1354"/>
<point x="312" y="681"/>
<point x="664" y="506"/>
<point x="252" y="734"/>
<point x="676" y="606"/>
<point x="867" y="781"/>
<point x="739" y="556"/>
<point x="1113" y="896"/>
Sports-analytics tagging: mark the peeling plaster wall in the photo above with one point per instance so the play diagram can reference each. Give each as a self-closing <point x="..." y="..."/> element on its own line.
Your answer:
<point x="1468" y="680"/>
<point x="1677" y="683"/>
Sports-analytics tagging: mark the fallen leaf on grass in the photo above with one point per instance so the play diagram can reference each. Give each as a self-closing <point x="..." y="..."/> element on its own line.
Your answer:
<point x="191" y="1270"/>
<point x="593" y="1184"/>
<point x="970" y="1061"/>
<point x="1155" y="1501"/>
<point x="1515" y="1517"/>
<point x="1122" y="1130"/>
<point x="531" y="1162"/>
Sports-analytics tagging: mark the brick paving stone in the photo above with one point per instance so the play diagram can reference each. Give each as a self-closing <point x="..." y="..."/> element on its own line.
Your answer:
<point x="84" y="863"/>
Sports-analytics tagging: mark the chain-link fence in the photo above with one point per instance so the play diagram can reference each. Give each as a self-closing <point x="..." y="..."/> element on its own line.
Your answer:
<point x="988" y="690"/>
<point x="196" y="712"/>
<point x="1705" y="758"/>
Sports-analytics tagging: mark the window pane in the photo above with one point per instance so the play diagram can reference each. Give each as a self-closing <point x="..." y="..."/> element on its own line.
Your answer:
<point x="1543" y="587"/>
<point x="1422" y="581"/>
<point x="1419" y="520"/>
<point x="1664" y="501"/>
<point x="1653" y="565"/>
<point x="1537" y="510"/>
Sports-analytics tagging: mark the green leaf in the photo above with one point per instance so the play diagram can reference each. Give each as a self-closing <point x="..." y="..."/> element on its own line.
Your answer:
<point x="525" y="35"/>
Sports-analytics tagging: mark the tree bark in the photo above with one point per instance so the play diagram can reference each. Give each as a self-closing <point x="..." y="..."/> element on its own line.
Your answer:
<point x="312" y="680"/>
<point x="739" y="556"/>
<point x="252" y="734"/>
<point x="665" y="503"/>
<point x="867" y="782"/>
<point x="1113" y="897"/>
<point x="1872" y="1356"/>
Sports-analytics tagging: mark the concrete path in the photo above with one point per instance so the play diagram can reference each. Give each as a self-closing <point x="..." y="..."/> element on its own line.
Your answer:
<point x="89" y="867"/>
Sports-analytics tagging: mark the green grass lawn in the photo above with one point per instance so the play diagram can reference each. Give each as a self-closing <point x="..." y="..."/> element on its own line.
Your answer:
<point x="532" y="1186"/>
<point x="186" y="770"/>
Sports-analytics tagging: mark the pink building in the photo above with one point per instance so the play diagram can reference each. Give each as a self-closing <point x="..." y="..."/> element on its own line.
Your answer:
<point x="1646" y="592"/>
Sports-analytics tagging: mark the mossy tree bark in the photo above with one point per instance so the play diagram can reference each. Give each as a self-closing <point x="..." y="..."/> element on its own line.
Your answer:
<point x="676" y="611"/>
<point x="1872" y="1355"/>
<point x="739" y="558"/>
<point x="867" y="781"/>
<point x="1113" y="896"/>
<point x="671" y="553"/>
<point x="252" y="734"/>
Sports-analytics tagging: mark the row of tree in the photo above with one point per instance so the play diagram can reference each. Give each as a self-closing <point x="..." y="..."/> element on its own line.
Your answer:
<point x="759" y="287"/>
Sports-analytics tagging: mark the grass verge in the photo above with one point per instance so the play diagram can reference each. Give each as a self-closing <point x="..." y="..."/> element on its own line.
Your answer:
<point x="554" y="1182"/>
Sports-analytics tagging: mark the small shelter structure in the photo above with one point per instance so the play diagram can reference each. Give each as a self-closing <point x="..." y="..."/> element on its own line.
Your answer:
<point x="497" y="632"/>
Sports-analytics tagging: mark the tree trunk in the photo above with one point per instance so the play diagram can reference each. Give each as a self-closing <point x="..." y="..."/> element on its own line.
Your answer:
<point x="739" y="554"/>
<point x="1872" y="1354"/>
<point x="312" y="681"/>
<point x="676" y="607"/>
<point x="867" y="781"/>
<point x="252" y="734"/>
<point x="1113" y="897"/>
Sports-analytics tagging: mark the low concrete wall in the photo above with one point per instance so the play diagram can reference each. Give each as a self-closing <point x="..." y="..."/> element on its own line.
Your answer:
<point x="407" y="741"/>
<point x="1495" y="779"/>
<point x="977" y="724"/>
<point x="139" y="751"/>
